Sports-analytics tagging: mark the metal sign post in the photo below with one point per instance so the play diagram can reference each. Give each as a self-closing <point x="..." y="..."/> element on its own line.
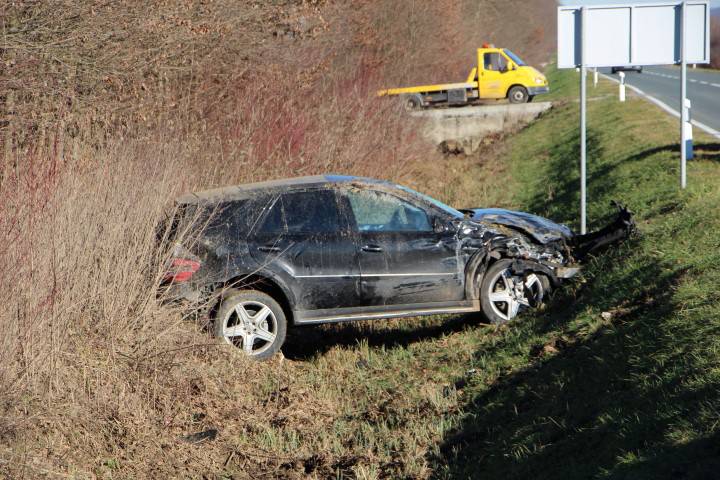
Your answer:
<point x="583" y="123"/>
<point x="631" y="35"/>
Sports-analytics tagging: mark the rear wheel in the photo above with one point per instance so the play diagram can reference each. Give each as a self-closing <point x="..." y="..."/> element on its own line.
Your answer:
<point x="251" y="321"/>
<point x="504" y="295"/>
<point x="413" y="102"/>
<point x="518" y="94"/>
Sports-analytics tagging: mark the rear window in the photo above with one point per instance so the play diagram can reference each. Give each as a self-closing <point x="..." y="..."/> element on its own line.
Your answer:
<point x="303" y="212"/>
<point x="193" y="220"/>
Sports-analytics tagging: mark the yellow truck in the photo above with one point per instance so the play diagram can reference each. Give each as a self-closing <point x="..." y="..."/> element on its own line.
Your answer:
<point x="499" y="74"/>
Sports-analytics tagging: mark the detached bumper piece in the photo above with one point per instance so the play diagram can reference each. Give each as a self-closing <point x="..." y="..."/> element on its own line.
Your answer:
<point x="621" y="228"/>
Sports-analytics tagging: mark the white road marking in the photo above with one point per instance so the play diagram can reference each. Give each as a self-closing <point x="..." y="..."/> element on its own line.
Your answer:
<point x="715" y="85"/>
<point x="703" y="82"/>
<point x="665" y="107"/>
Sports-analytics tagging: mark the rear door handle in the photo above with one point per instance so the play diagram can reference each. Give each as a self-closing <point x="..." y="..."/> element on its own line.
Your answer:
<point x="269" y="248"/>
<point x="372" y="248"/>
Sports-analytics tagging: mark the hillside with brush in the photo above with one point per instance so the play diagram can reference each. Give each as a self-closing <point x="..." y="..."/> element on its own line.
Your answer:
<point x="108" y="111"/>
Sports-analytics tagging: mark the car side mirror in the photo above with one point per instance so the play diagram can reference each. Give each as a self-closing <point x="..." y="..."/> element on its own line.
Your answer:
<point x="441" y="226"/>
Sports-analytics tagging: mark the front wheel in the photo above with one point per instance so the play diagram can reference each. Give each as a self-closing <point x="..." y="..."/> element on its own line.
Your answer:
<point x="504" y="295"/>
<point x="518" y="94"/>
<point x="251" y="321"/>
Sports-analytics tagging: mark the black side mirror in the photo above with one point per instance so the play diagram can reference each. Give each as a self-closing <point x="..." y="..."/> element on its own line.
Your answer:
<point x="441" y="226"/>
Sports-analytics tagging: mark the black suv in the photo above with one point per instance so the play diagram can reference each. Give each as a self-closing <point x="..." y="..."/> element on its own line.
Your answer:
<point x="337" y="248"/>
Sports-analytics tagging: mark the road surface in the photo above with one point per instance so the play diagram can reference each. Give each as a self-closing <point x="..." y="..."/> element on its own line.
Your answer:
<point x="663" y="83"/>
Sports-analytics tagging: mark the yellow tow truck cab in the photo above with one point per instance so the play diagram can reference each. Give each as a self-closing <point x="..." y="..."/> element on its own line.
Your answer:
<point x="499" y="74"/>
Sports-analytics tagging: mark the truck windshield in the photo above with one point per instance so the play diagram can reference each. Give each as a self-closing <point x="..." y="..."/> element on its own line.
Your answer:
<point x="514" y="58"/>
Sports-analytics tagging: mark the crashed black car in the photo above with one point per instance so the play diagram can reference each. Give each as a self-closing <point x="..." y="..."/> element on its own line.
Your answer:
<point x="337" y="248"/>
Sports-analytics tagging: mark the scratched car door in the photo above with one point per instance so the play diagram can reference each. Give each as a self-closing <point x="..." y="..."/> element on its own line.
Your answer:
<point x="403" y="261"/>
<point x="304" y="239"/>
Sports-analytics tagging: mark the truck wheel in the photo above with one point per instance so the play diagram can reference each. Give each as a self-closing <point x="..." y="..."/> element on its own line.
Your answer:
<point x="518" y="94"/>
<point x="413" y="102"/>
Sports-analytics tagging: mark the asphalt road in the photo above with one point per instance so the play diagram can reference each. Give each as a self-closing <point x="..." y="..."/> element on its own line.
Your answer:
<point x="663" y="83"/>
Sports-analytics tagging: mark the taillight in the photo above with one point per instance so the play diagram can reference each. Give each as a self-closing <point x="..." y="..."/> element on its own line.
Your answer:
<point x="180" y="270"/>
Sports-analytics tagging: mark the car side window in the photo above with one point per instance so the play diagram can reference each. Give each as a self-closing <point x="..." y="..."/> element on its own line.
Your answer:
<point x="303" y="212"/>
<point x="381" y="212"/>
<point x="274" y="221"/>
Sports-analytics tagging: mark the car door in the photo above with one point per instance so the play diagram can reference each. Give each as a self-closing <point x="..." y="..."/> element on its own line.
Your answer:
<point x="304" y="240"/>
<point x="491" y="83"/>
<point x="403" y="261"/>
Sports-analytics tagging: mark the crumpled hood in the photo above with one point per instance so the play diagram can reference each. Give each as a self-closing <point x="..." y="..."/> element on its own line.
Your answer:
<point x="541" y="229"/>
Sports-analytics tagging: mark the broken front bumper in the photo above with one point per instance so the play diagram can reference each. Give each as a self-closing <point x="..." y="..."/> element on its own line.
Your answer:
<point x="538" y="90"/>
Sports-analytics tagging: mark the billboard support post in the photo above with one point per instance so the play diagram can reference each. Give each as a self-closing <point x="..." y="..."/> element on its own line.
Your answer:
<point x="635" y="34"/>
<point x="683" y="95"/>
<point x="583" y="123"/>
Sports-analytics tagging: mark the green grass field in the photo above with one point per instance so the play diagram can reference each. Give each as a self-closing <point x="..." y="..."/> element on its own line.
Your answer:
<point x="568" y="393"/>
<point x="564" y="393"/>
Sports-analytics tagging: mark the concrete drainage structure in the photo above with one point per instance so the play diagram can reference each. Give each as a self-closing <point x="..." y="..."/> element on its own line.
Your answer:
<point x="463" y="129"/>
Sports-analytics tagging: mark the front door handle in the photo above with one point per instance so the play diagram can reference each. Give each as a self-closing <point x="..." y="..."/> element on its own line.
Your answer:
<point x="372" y="248"/>
<point x="269" y="248"/>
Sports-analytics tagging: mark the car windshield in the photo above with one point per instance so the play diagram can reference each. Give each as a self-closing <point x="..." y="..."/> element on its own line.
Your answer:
<point x="514" y="58"/>
<point x="437" y="203"/>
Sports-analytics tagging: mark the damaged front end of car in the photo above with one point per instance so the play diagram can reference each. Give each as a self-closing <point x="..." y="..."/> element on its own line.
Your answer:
<point x="531" y="248"/>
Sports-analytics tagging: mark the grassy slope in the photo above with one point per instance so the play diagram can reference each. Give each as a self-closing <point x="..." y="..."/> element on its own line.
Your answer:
<point x="568" y="394"/>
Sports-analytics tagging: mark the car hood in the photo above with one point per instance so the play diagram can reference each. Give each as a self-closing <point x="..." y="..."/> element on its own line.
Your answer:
<point x="539" y="228"/>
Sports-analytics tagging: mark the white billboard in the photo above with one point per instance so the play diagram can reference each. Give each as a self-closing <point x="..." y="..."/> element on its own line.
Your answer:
<point x="633" y="34"/>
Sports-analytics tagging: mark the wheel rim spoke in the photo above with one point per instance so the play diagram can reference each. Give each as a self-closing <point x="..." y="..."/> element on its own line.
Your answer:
<point x="507" y="281"/>
<point x="513" y="307"/>
<point x="243" y="314"/>
<point x="502" y="296"/>
<point x="259" y="318"/>
<point x="248" y="341"/>
<point x="264" y="334"/>
<point x="234" y="331"/>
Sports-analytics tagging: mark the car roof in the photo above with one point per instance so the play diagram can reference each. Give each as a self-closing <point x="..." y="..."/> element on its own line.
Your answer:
<point x="244" y="191"/>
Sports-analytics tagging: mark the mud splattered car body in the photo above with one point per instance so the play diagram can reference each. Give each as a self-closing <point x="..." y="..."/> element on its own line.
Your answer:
<point x="338" y="248"/>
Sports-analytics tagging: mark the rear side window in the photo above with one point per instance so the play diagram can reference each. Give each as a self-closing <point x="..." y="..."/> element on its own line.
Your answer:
<point x="187" y="221"/>
<point x="303" y="212"/>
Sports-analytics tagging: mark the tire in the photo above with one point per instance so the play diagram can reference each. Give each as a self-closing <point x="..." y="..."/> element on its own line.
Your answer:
<point x="518" y="94"/>
<point x="262" y="333"/>
<point x="499" y="284"/>
<point x="413" y="102"/>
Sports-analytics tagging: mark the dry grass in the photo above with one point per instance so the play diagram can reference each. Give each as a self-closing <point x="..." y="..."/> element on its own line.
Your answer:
<point x="112" y="109"/>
